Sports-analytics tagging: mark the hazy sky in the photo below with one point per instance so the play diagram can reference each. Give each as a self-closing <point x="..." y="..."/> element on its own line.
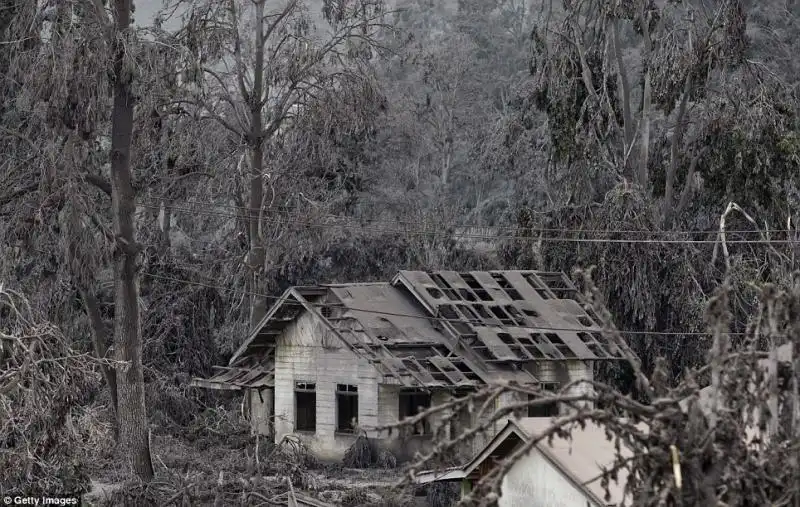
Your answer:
<point x="146" y="10"/>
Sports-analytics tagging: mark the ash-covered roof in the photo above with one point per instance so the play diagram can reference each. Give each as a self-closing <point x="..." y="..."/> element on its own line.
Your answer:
<point x="445" y="328"/>
<point x="512" y="316"/>
<point x="237" y="379"/>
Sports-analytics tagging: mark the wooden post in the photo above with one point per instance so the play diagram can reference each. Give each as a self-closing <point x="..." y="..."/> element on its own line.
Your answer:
<point x="466" y="487"/>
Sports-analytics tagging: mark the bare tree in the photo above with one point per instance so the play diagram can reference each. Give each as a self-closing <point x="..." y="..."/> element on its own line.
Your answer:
<point x="274" y="64"/>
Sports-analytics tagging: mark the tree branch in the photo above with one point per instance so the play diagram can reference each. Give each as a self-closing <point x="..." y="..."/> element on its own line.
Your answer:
<point x="687" y="187"/>
<point x="98" y="182"/>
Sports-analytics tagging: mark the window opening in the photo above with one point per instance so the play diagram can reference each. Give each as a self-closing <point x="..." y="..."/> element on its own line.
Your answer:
<point x="546" y="410"/>
<point x="346" y="408"/>
<point x="305" y="410"/>
<point x="411" y="404"/>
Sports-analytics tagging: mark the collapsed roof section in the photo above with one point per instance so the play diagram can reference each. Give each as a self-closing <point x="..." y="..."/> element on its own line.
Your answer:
<point x="442" y="329"/>
<point x="236" y="379"/>
<point x="511" y="316"/>
<point x="380" y="322"/>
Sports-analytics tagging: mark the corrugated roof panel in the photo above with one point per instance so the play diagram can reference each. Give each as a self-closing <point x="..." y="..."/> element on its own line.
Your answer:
<point x="237" y="378"/>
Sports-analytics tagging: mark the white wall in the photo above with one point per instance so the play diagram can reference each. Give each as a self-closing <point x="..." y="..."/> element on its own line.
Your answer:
<point x="306" y="353"/>
<point x="534" y="482"/>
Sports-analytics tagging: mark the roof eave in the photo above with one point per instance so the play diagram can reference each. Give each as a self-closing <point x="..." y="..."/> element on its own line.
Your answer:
<point x="254" y="333"/>
<point x="429" y="476"/>
<point x="292" y="292"/>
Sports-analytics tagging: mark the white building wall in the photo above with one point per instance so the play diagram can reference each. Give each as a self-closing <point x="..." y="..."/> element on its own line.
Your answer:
<point x="581" y="370"/>
<point x="388" y="405"/>
<point x="534" y="482"/>
<point x="307" y="353"/>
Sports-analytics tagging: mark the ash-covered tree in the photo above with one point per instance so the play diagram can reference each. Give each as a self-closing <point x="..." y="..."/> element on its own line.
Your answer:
<point x="257" y="68"/>
<point x="652" y="127"/>
<point x="638" y="90"/>
<point x="63" y="125"/>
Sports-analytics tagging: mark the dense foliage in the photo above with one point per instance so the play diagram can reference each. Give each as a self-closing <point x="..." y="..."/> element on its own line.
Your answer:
<point x="573" y="125"/>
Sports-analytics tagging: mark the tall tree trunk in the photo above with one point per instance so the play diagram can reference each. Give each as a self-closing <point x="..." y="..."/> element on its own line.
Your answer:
<point x="257" y="253"/>
<point x="644" y="160"/>
<point x="101" y="350"/>
<point x="625" y="99"/>
<point x="131" y="415"/>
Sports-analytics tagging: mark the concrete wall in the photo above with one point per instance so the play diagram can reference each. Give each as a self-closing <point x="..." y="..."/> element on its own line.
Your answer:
<point x="307" y="352"/>
<point x="534" y="482"/>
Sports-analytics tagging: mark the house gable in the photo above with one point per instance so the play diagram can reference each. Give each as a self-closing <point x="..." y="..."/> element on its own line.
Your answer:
<point x="305" y="364"/>
<point x="286" y="309"/>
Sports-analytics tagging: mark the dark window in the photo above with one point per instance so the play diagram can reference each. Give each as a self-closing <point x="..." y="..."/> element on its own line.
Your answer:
<point x="547" y="410"/>
<point x="412" y="403"/>
<point x="305" y="409"/>
<point x="346" y="408"/>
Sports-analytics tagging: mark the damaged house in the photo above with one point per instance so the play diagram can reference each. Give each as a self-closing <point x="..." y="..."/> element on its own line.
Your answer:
<point x="329" y="361"/>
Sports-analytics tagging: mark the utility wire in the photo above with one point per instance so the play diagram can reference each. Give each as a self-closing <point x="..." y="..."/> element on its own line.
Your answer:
<point x="443" y="233"/>
<point x="394" y="314"/>
<point x="292" y="211"/>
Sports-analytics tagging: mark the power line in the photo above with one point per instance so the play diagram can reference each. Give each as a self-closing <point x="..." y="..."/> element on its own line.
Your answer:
<point x="454" y="234"/>
<point x="394" y="314"/>
<point x="289" y="210"/>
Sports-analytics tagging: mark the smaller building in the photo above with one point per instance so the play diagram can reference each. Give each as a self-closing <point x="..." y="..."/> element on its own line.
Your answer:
<point x="561" y="473"/>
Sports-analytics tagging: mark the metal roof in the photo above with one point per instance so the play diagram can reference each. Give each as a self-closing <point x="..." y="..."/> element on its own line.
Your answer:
<point x="445" y="328"/>
<point x="379" y="322"/>
<point x="238" y="378"/>
<point x="512" y="316"/>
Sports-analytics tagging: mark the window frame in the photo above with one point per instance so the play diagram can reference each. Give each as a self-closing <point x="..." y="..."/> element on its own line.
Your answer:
<point x="302" y="388"/>
<point x="348" y="392"/>
<point x="551" y="409"/>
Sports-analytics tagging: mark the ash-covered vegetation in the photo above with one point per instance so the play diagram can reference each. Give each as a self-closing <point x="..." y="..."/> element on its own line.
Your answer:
<point x="162" y="180"/>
